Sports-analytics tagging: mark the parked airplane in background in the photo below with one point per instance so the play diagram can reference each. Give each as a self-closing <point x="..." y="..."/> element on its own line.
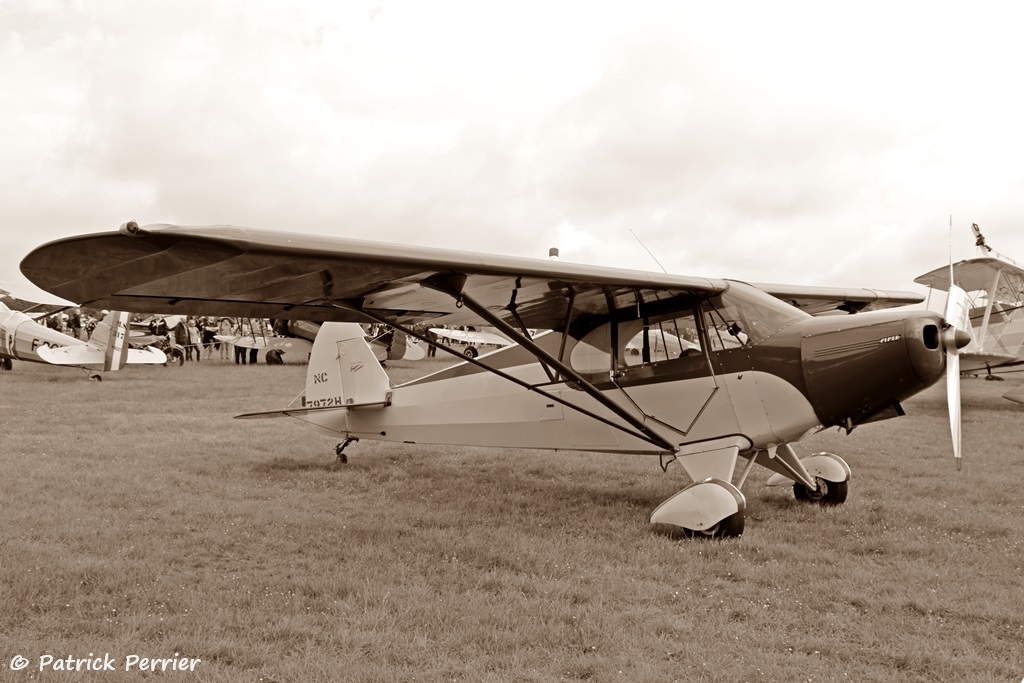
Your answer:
<point x="766" y="373"/>
<point x="471" y="341"/>
<point x="22" y="338"/>
<point x="995" y="287"/>
<point x="296" y="336"/>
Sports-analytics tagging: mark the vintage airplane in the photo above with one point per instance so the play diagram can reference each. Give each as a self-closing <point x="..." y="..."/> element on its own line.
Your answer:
<point x="297" y="336"/>
<point x="22" y="338"/>
<point x="470" y="341"/>
<point x="995" y="289"/>
<point x="661" y="346"/>
<point x="767" y="372"/>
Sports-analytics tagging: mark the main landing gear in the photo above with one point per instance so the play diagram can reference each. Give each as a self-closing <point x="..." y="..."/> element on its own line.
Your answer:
<point x="829" y="473"/>
<point x="826" y="492"/>
<point x="713" y="507"/>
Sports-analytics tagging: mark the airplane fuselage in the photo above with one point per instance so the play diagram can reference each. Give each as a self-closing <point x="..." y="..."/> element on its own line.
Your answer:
<point x="21" y="337"/>
<point x="842" y="370"/>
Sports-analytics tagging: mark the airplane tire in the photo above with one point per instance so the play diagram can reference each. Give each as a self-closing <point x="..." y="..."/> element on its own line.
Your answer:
<point x="730" y="527"/>
<point x="274" y="357"/>
<point x="6" y="364"/>
<point x="175" y="356"/>
<point x="96" y="377"/>
<point x="828" y="492"/>
<point x="470" y="352"/>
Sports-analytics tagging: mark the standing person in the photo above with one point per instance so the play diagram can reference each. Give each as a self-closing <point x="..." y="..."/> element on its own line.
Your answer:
<point x="206" y="334"/>
<point x="257" y="332"/>
<point x="241" y="330"/>
<point x="431" y="349"/>
<point x="224" y="329"/>
<point x="75" y="323"/>
<point x="195" y="342"/>
<point x="180" y="333"/>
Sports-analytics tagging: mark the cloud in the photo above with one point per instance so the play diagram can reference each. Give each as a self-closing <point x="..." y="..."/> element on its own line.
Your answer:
<point x="794" y="143"/>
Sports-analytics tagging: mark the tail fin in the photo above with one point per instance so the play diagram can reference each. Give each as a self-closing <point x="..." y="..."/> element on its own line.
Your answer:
<point x="343" y="370"/>
<point x="111" y="337"/>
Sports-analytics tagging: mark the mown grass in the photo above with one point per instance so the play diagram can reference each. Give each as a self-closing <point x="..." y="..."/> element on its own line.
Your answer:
<point x="138" y="518"/>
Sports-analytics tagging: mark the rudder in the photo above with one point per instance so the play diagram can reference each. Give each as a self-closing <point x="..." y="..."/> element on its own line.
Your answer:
<point x="343" y="370"/>
<point x="111" y="337"/>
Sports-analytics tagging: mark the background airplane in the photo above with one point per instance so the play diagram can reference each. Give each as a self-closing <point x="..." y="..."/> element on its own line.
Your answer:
<point x="22" y="338"/>
<point x="471" y="341"/>
<point x="995" y="287"/>
<point x="297" y="336"/>
<point x="767" y="373"/>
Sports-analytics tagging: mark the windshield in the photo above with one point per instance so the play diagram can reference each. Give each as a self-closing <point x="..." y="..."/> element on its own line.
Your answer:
<point x="744" y="316"/>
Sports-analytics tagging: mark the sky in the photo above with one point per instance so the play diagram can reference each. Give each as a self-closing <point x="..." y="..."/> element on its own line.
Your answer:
<point x="801" y="143"/>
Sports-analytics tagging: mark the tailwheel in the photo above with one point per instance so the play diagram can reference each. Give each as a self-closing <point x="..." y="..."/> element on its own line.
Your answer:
<point x="827" y="492"/>
<point x="339" y="450"/>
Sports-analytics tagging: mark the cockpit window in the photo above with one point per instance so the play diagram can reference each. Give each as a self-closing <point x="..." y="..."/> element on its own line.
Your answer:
<point x="740" y="317"/>
<point x="743" y="316"/>
<point x="667" y="337"/>
<point x="664" y="340"/>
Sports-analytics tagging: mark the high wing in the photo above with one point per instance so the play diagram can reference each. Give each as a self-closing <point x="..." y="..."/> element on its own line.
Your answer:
<point x="825" y="300"/>
<point x="974" y="275"/>
<point x="227" y="270"/>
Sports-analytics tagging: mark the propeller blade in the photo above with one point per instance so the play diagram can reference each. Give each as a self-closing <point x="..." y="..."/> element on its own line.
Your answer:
<point x="953" y="401"/>
<point x="957" y="336"/>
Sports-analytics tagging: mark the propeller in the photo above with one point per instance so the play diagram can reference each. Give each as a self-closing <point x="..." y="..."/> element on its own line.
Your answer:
<point x="955" y="337"/>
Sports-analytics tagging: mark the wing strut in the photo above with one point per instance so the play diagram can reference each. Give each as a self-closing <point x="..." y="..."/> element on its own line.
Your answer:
<point x="642" y="435"/>
<point x="543" y="356"/>
<point x="991" y="294"/>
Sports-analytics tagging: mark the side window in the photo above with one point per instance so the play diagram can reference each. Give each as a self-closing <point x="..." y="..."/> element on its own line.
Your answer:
<point x="592" y="354"/>
<point x="665" y="340"/>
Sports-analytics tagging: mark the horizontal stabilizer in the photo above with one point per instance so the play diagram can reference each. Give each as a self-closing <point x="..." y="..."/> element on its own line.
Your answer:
<point x="147" y="356"/>
<point x="296" y="412"/>
<point x="79" y="354"/>
<point x="82" y="354"/>
<point x="1016" y="395"/>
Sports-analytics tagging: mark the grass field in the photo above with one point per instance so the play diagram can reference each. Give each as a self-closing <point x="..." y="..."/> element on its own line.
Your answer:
<point x="139" y="519"/>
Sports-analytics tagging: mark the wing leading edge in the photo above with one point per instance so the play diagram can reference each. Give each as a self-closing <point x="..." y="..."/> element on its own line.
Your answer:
<point x="258" y="273"/>
<point x="823" y="300"/>
<point x="228" y="270"/>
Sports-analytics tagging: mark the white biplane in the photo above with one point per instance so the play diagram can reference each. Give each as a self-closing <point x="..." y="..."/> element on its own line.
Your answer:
<point x="995" y="290"/>
<point x="766" y="372"/>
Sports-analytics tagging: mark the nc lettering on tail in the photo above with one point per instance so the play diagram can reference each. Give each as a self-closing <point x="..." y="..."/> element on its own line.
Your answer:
<point x="343" y="370"/>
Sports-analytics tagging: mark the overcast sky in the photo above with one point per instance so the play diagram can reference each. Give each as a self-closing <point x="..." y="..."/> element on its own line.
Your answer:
<point x="774" y="142"/>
